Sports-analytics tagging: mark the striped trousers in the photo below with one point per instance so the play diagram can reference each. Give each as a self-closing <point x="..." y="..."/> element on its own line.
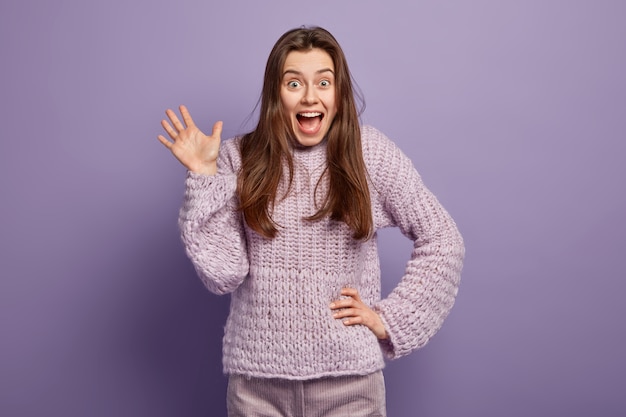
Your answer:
<point x="344" y="396"/>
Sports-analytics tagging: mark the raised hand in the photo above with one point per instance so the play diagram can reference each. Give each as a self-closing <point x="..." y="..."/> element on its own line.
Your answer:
<point x="354" y="311"/>
<point x="195" y="150"/>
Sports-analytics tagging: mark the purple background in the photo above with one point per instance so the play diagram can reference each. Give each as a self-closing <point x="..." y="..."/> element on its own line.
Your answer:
<point x="514" y="112"/>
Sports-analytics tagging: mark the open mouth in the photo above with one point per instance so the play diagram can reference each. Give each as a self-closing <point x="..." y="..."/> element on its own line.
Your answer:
<point x="310" y="122"/>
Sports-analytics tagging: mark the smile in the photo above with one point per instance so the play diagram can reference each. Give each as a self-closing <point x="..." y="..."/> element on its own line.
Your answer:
<point x="309" y="115"/>
<point x="309" y="122"/>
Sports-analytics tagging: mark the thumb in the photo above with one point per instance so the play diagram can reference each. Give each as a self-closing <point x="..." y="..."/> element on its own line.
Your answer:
<point x="217" y="130"/>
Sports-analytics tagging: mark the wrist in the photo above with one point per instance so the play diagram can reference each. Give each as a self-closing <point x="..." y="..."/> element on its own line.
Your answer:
<point x="205" y="169"/>
<point x="381" y="334"/>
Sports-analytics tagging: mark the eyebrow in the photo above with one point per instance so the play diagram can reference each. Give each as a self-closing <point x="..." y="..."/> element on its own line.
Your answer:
<point x="323" y="70"/>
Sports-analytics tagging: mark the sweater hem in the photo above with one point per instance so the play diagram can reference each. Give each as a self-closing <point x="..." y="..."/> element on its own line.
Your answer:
<point x="317" y="375"/>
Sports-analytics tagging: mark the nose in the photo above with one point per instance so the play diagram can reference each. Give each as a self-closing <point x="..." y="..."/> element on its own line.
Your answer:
<point x="309" y="96"/>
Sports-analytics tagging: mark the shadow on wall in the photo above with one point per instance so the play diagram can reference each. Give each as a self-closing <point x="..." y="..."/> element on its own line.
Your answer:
<point x="157" y="349"/>
<point x="176" y="332"/>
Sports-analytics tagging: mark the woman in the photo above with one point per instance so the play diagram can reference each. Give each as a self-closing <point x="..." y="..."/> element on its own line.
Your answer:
<point x="285" y="219"/>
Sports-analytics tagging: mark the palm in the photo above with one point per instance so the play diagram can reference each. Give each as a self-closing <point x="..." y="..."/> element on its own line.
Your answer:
<point x="195" y="150"/>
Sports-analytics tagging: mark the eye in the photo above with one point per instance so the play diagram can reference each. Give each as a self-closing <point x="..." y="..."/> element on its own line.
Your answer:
<point x="293" y="84"/>
<point x="325" y="83"/>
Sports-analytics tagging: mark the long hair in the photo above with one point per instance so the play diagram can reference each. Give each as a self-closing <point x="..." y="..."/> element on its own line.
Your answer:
<point x="265" y="148"/>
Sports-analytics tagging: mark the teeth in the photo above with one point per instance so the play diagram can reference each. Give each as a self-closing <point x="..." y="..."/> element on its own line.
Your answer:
<point x="310" y="114"/>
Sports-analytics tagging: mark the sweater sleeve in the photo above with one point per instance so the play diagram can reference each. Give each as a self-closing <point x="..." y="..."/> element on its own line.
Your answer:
<point x="415" y="310"/>
<point x="212" y="228"/>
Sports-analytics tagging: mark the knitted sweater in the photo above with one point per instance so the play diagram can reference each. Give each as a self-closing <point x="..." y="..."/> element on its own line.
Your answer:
<point x="280" y="323"/>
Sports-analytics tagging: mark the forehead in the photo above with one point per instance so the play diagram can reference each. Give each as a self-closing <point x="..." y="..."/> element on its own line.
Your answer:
<point x="309" y="61"/>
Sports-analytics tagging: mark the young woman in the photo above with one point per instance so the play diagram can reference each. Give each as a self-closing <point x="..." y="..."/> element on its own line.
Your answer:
<point x="285" y="219"/>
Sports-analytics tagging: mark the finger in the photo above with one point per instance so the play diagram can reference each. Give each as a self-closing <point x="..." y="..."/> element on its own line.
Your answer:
<point x="217" y="130"/>
<point x="186" y="116"/>
<point x="348" y="312"/>
<point x="164" y="141"/>
<point x="353" y="320"/>
<point x="351" y="292"/>
<point x="168" y="128"/>
<point x="344" y="303"/>
<point x="174" y="119"/>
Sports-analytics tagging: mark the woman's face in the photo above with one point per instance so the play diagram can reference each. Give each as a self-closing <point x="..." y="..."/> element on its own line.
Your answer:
<point x="307" y="94"/>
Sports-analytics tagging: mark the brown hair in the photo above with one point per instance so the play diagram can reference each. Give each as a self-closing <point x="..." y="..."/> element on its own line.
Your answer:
<point x="264" y="149"/>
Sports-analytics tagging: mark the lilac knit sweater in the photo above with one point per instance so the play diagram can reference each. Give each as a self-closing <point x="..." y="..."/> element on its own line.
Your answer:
<point x="280" y="324"/>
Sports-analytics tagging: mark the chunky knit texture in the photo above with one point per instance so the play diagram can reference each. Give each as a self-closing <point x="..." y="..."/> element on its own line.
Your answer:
<point x="280" y="323"/>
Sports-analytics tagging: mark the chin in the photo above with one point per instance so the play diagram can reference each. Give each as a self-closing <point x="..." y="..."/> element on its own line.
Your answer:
<point x="308" y="140"/>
